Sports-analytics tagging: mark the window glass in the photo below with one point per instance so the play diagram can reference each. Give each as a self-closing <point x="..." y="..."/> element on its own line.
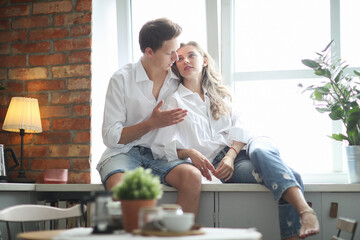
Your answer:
<point x="191" y="19"/>
<point x="280" y="110"/>
<point x="350" y="35"/>
<point x="277" y="34"/>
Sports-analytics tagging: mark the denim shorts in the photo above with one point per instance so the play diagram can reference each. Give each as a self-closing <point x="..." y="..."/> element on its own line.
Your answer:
<point x="138" y="157"/>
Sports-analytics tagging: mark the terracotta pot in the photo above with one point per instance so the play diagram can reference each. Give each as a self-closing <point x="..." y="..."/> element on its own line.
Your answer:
<point x="130" y="212"/>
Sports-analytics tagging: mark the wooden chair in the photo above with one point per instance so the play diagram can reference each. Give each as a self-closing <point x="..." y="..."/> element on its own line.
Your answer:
<point x="347" y="225"/>
<point x="38" y="214"/>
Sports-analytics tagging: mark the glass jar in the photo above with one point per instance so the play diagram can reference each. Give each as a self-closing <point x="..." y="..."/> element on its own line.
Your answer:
<point x="150" y="218"/>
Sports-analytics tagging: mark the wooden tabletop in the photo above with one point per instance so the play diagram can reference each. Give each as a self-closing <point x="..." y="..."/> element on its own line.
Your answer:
<point x="40" y="235"/>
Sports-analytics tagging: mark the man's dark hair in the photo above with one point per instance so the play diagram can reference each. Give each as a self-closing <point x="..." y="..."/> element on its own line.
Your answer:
<point x="154" y="33"/>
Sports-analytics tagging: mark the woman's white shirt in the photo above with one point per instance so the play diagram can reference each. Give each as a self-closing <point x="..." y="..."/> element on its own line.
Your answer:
<point x="199" y="130"/>
<point x="129" y="101"/>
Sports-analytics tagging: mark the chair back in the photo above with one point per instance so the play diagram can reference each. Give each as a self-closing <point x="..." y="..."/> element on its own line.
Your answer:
<point x="346" y="225"/>
<point x="37" y="213"/>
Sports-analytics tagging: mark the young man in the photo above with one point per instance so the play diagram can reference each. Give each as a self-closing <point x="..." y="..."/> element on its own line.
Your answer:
<point x="132" y="115"/>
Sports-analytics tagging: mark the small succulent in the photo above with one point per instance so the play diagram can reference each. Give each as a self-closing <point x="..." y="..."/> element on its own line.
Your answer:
<point x="138" y="184"/>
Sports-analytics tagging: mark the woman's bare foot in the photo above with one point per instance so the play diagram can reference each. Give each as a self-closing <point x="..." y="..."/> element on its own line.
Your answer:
<point x="309" y="223"/>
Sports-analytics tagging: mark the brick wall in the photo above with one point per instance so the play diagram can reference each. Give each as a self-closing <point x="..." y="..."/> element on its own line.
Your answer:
<point x="45" y="50"/>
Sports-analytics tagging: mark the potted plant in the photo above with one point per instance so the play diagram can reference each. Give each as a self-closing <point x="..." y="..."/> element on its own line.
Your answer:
<point x="339" y="96"/>
<point x="138" y="188"/>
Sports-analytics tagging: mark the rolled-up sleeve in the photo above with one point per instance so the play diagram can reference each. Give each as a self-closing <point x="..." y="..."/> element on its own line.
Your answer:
<point x="238" y="130"/>
<point x="114" y="112"/>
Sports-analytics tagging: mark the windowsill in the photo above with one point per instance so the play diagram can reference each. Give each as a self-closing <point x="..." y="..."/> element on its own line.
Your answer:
<point x="206" y="187"/>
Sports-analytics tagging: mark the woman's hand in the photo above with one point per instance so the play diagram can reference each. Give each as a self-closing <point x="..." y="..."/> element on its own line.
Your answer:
<point x="225" y="169"/>
<point x="199" y="161"/>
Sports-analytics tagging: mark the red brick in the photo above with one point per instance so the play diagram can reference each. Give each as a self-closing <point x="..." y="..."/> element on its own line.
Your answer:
<point x="41" y="97"/>
<point x="2" y="73"/>
<point x="80" y="30"/>
<point x="3" y="111"/>
<point x="14" y="11"/>
<point x="31" y="151"/>
<point x="79" y="83"/>
<point x="12" y="36"/>
<point x="80" y="57"/>
<point x="47" y="85"/>
<point x="28" y="73"/>
<point x="13" y="139"/>
<point x="72" y="44"/>
<point x="4" y="24"/>
<point x="31" y="22"/>
<point x="47" y="59"/>
<point x="40" y="164"/>
<point x="31" y="47"/>
<point x="71" y="71"/>
<point x="15" y="86"/>
<point x="79" y="177"/>
<point x="52" y="7"/>
<point x="80" y="163"/>
<point x="70" y="97"/>
<point x="49" y="33"/>
<point x="4" y="101"/>
<point x="45" y="123"/>
<point x="12" y="61"/>
<point x="55" y="111"/>
<point x="82" y="137"/>
<point x="21" y="1"/>
<point x="53" y="137"/>
<point x="83" y="5"/>
<point x="71" y="124"/>
<point x="4" y="48"/>
<point x="72" y="18"/>
<point x="82" y="110"/>
<point x="69" y="150"/>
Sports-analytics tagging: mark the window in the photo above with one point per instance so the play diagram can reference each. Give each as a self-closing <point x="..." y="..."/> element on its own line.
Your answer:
<point x="269" y="39"/>
<point x="259" y="45"/>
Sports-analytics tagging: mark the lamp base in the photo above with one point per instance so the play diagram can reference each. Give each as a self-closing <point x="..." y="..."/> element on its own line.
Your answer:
<point x="21" y="180"/>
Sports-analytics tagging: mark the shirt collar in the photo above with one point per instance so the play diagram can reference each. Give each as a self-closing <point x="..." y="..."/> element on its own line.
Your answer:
<point x="142" y="76"/>
<point x="183" y="91"/>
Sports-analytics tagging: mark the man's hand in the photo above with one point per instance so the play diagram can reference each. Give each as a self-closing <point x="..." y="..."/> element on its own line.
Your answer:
<point x="159" y="118"/>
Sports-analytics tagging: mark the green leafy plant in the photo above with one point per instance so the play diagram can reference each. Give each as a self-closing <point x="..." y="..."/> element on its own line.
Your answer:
<point x="338" y="95"/>
<point x="138" y="184"/>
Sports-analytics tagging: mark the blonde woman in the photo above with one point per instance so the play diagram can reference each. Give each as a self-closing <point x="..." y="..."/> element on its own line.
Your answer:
<point x="214" y="139"/>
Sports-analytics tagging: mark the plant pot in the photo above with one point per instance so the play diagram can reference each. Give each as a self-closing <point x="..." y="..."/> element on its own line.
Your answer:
<point x="130" y="212"/>
<point x="353" y="157"/>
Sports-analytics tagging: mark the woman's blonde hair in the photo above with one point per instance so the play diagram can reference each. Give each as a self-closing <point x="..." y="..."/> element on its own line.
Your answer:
<point x="211" y="81"/>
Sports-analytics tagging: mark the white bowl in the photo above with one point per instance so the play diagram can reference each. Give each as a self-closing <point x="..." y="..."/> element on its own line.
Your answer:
<point x="178" y="223"/>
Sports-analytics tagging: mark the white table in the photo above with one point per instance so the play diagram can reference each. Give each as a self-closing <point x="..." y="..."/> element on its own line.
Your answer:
<point x="210" y="234"/>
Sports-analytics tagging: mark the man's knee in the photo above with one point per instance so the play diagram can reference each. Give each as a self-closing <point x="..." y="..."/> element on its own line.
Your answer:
<point x="113" y="180"/>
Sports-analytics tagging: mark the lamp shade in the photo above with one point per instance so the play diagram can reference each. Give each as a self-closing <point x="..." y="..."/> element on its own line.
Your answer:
<point x="23" y="113"/>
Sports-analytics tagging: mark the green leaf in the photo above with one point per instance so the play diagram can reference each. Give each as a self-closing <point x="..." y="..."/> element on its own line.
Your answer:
<point x="339" y="137"/>
<point x="310" y="63"/>
<point x="357" y="73"/>
<point x="322" y="110"/>
<point x="327" y="47"/>
<point x="323" y="90"/>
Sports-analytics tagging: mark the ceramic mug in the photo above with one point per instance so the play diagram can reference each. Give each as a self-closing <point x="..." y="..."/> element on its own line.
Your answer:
<point x="178" y="223"/>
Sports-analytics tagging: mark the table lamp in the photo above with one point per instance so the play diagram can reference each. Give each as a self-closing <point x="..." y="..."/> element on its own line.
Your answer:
<point x="23" y="116"/>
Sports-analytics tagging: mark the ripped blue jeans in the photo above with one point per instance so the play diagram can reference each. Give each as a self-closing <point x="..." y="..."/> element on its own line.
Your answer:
<point x="262" y="163"/>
